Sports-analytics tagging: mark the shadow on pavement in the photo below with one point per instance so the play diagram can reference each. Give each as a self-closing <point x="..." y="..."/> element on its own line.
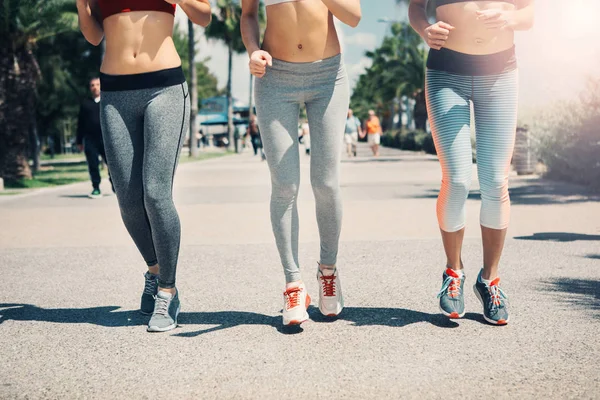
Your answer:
<point x="559" y="237"/>
<point x="109" y="316"/>
<point x="593" y="256"/>
<point x="582" y="292"/>
<point x="394" y="317"/>
<point x="536" y="192"/>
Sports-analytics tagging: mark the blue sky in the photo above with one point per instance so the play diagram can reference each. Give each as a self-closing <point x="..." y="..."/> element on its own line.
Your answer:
<point x="555" y="57"/>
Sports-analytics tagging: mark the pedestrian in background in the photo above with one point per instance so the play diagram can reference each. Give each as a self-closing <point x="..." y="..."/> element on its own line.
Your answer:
<point x="373" y="128"/>
<point x="353" y="130"/>
<point x="89" y="135"/>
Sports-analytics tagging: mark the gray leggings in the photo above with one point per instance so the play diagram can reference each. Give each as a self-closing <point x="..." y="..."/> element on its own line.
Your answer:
<point x="323" y="87"/>
<point x="143" y="130"/>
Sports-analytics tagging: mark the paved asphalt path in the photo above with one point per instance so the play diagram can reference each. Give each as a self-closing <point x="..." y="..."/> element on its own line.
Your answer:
<point x="72" y="279"/>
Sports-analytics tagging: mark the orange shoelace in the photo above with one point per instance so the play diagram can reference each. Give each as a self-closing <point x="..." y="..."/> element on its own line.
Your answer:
<point x="328" y="282"/>
<point x="454" y="288"/>
<point x="292" y="297"/>
<point x="496" y="294"/>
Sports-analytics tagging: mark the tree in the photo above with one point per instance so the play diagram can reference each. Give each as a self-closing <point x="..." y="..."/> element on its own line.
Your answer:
<point x="397" y="70"/>
<point x="225" y="26"/>
<point x="25" y="25"/>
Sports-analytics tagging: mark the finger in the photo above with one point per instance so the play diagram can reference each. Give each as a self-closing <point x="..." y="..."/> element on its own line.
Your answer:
<point x="437" y="43"/>
<point x="268" y="59"/>
<point x="438" y="36"/>
<point x="440" y="30"/>
<point x="445" y="25"/>
<point x="488" y="14"/>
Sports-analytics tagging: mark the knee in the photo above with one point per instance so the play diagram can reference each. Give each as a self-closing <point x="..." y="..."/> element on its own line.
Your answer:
<point x="285" y="190"/>
<point x="324" y="188"/>
<point x="156" y="199"/>
<point x="494" y="189"/>
<point x="456" y="188"/>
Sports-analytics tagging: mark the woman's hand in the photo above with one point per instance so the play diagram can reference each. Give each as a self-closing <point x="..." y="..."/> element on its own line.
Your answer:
<point x="495" y="18"/>
<point x="258" y="63"/>
<point x="437" y="34"/>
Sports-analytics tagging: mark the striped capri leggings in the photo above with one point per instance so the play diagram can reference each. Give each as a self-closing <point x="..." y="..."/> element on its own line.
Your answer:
<point x="494" y="99"/>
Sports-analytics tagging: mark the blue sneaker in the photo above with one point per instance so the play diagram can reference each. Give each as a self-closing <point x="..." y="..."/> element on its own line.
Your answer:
<point x="150" y="290"/>
<point x="166" y="311"/>
<point x="493" y="300"/>
<point x="452" y="299"/>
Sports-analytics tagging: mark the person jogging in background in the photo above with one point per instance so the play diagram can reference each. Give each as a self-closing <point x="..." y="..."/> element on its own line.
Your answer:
<point x="89" y="136"/>
<point x="353" y="130"/>
<point x="373" y="132"/>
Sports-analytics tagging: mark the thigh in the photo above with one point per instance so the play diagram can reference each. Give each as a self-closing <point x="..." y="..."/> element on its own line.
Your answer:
<point x="495" y="103"/>
<point x="166" y="122"/>
<point x="326" y="110"/>
<point x="277" y="115"/>
<point x="122" y="131"/>
<point x="450" y="118"/>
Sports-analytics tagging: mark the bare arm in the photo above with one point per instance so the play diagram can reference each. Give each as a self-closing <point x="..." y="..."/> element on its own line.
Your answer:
<point x="434" y="34"/>
<point x="523" y="16"/>
<point x="347" y="11"/>
<point x="88" y="24"/>
<point x="418" y="17"/>
<point x="198" y="11"/>
<point x="249" y="25"/>
<point x="520" y="19"/>
<point x="259" y="59"/>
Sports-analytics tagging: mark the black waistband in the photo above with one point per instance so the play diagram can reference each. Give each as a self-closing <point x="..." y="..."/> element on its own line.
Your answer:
<point x="472" y="64"/>
<point x="146" y="80"/>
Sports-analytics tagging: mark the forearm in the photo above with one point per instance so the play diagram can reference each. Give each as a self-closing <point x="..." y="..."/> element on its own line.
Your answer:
<point x="418" y="18"/>
<point x="250" y="32"/>
<point x="522" y="19"/>
<point x="198" y="11"/>
<point x="347" y="11"/>
<point x="88" y="24"/>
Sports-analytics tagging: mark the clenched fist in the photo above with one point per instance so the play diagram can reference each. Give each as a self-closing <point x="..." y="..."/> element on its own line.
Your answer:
<point x="258" y="63"/>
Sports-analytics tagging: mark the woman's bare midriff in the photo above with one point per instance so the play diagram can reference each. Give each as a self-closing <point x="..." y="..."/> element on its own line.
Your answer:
<point x="300" y="31"/>
<point x="470" y="35"/>
<point x="138" y="42"/>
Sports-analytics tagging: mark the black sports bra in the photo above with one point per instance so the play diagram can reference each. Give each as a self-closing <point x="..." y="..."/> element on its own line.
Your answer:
<point x="440" y="3"/>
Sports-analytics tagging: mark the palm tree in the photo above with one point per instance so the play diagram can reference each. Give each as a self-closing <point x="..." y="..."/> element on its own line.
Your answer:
<point x="225" y="26"/>
<point x="24" y="25"/>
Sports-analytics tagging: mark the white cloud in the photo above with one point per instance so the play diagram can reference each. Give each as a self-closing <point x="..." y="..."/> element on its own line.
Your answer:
<point x="362" y="39"/>
<point x="357" y="69"/>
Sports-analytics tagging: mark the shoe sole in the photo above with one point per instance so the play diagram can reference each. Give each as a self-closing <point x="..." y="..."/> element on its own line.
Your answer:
<point x="145" y="313"/>
<point x="332" y="315"/>
<point x="491" y="321"/>
<point x="305" y="317"/>
<point x="452" y="315"/>
<point x="94" y="196"/>
<point x="168" y="328"/>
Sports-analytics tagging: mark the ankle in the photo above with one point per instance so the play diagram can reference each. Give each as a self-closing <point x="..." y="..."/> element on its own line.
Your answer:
<point x="326" y="269"/>
<point x="294" y="284"/>
<point x="154" y="270"/>
<point x="172" y="291"/>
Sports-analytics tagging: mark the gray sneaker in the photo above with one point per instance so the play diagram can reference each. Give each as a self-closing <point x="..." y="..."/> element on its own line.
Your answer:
<point x="150" y="290"/>
<point x="452" y="299"/>
<point x="493" y="299"/>
<point x="166" y="310"/>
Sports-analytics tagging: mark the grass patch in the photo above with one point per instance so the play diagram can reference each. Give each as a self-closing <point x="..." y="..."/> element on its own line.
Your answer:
<point x="185" y="158"/>
<point x="9" y="192"/>
<point x="55" y="176"/>
<point x="62" y="157"/>
<point x="63" y="174"/>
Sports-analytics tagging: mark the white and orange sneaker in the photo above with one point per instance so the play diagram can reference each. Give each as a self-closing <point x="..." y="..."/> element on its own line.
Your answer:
<point x="331" y="301"/>
<point x="295" y="303"/>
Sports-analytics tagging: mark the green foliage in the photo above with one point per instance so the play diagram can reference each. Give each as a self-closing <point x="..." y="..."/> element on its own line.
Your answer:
<point x="567" y="138"/>
<point x="398" y="69"/>
<point x="413" y="140"/>
<point x="207" y="82"/>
